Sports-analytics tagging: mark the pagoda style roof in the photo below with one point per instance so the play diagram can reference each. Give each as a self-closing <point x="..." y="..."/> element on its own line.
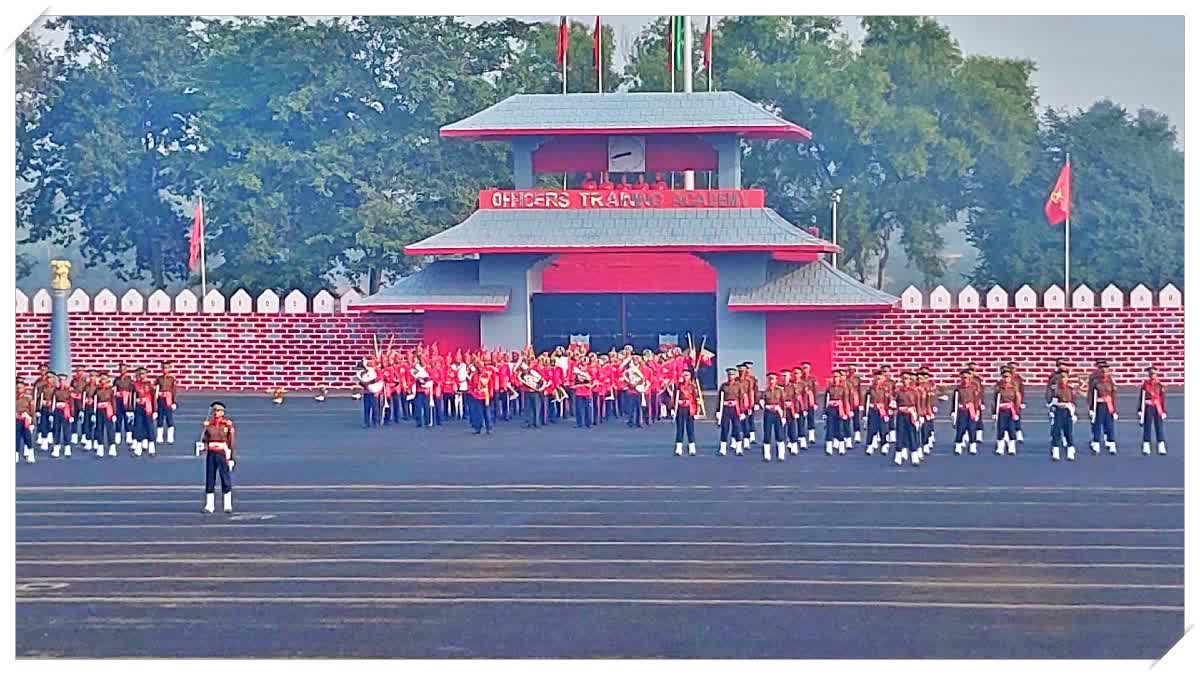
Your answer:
<point x="451" y="285"/>
<point x="621" y="230"/>
<point x="814" y="285"/>
<point x="629" y="113"/>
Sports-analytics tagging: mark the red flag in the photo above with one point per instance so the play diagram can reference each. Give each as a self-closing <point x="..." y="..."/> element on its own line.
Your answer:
<point x="670" y="44"/>
<point x="562" y="40"/>
<point x="197" y="236"/>
<point x="1058" y="206"/>
<point x="708" y="42"/>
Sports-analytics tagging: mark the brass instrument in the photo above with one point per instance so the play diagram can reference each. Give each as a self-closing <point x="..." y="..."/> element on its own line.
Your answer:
<point x="582" y="376"/>
<point x="532" y="379"/>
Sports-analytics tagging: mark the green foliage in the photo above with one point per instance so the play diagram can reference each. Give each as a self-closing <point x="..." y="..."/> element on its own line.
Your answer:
<point x="315" y="143"/>
<point x="902" y="124"/>
<point x="1127" y="206"/>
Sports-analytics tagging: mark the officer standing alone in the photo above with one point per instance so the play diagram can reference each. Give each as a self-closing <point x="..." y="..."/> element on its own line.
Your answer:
<point x="217" y="442"/>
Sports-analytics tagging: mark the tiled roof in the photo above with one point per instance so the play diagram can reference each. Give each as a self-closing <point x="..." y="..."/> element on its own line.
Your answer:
<point x="532" y="230"/>
<point x="809" y="285"/>
<point x="443" y="284"/>
<point x="602" y="113"/>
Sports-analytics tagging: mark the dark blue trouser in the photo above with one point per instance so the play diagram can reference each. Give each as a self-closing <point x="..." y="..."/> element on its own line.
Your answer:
<point x="122" y="423"/>
<point x="420" y="409"/>
<point x="166" y="416"/>
<point x="583" y="411"/>
<point x="1062" y="429"/>
<point x="477" y="411"/>
<point x="1151" y="420"/>
<point x="1103" y="424"/>
<point x="772" y="427"/>
<point x="370" y="409"/>
<point x="685" y="425"/>
<point x="533" y="408"/>
<point x="877" y="427"/>
<point x="24" y="437"/>
<point x="1006" y="426"/>
<point x="215" y="464"/>
<point x="731" y="426"/>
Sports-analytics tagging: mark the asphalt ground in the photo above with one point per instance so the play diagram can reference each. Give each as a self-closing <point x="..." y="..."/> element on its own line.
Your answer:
<point x="398" y="542"/>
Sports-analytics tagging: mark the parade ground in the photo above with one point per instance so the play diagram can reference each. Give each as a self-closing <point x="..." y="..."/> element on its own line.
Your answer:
<point x="398" y="542"/>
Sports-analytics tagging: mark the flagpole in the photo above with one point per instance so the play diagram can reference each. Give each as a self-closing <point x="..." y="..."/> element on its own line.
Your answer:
<point x="708" y="55"/>
<point x="566" y="49"/>
<point x="689" y="176"/>
<point x="599" y="56"/>
<point x="1067" y="241"/>
<point x="203" y="271"/>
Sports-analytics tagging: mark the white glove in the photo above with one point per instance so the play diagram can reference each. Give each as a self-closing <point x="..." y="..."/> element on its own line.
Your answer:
<point x="1115" y="417"/>
<point x="1091" y="416"/>
<point x="154" y="415"/>
<point x="70" y="420"/>
<point x="174" y="406"/>
<point x="718" y="417"/>
<point x="93" y="418"/>
<point x="231" y="465"/>
<point x="757" y="407"/>
<point x="129" y="416"/>
<point x="199" y="448"/>
<point x="1164" y="417"/>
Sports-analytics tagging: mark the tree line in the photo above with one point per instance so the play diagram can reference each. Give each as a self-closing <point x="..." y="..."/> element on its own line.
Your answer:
<point x="315" y="144"/>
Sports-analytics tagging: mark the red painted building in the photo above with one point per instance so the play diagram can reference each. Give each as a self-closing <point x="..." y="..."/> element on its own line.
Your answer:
<point x="622" y="257"/>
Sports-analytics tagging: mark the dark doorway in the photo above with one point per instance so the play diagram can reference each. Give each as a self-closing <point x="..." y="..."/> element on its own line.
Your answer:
<point x="613" y="320"/>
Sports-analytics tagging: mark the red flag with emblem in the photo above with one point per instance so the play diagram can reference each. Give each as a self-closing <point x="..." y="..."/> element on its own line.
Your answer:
<point x="1058" y="206"/>
<point x="197" y="236"/>
<point x="562" y="40"/>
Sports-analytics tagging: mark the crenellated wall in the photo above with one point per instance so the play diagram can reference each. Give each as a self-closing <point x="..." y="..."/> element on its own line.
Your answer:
<point x="240" y="343"/>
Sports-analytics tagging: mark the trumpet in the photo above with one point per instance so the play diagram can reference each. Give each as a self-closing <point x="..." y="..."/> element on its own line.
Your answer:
<point x="582" y="376"/>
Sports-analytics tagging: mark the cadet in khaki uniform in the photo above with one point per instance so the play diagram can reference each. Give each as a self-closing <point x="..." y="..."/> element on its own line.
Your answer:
<point x="217" y="442"/>
<point x="1152" y="411"/>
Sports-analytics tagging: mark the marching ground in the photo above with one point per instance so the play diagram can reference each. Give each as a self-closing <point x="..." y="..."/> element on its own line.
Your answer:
<point x="398" y="542"/>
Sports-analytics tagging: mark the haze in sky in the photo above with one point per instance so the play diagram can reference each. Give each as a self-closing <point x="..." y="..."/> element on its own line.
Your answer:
<point x="1137" y="61"/>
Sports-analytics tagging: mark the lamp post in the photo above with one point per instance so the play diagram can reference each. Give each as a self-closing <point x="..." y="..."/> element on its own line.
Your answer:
<point x="835" y="198"/>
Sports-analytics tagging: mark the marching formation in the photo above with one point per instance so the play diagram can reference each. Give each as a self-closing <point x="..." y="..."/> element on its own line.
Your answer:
<point x="886" y="414"/>
<point x="92" y="410"/>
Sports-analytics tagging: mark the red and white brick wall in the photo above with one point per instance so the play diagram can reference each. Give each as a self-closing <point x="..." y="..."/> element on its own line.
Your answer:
<point x="1131" y="330"/>
<point x="245" y="344"/>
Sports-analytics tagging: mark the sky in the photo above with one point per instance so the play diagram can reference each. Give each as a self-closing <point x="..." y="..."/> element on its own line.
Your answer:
<point x="1137" y="61"/>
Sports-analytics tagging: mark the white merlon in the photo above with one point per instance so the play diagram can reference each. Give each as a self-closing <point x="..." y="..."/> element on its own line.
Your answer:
<point x="214" y="302"/>
<point x="939" y="298"/>
<point x="348" y="297"/>
<point x="1170" y="296"/>
<point x="324" y="302"/>
<point x="997" y="298"/>
<point x="78" y="301"/>
<point x="268" y="302"/>
<point x="1141" y="297"/>
<point x="186" y="302"/>
<point x="158" y="302"/>
<point x="295" y="303"/>
<point x="1054" y="298"/>
<point x="22" y="304"/>
<point x="1025" y="298"/>
<point x="1112" y="298"/>
<point x="241" y="302"/>
<point x="105" y="302"/>
<point x="968" y="298"/>
<point x="911" y="299"/>
<point x="1083" y="298"/>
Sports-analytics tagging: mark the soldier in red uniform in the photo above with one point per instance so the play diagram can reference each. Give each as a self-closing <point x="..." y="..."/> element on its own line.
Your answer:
<point x="1006" y="410"/>
<point x="1102" y="402"/>
<point x="687" y="406"/>
<point x="217" y="441"/>
<point x="810" y="392"/>
<point x="879" y="405"/>
<point x="965" y="410"/>
<point x="800" y="405"/>
<point x="480" y="397"/>
<point x="907" y="418"/>
<point x="25" y="413"/>
<point x="1152" y="411"/>
<point x="123" y="386"/>
<point x="144" y="414"/>
<point x="729" y="412"/>
<point x="1061" y="392"/>
<point x="837" y="414"/>
<point x="772" y="405"/>
<point x="790" y="418"/>
<point x="165" y="390"/>
<point x="106" y="417"/>
<point x="582" y="387"/>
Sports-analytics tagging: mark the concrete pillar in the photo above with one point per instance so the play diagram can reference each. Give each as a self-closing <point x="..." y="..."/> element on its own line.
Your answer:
<point x="510" y="329"/>
<point x="522" y="154"/>
<point x="741" y="336"/>
<point x="60" y="333"/>
<point x="729" y="160"/>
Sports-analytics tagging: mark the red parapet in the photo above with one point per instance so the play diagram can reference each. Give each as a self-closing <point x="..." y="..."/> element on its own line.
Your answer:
<point x="582" y="200"/>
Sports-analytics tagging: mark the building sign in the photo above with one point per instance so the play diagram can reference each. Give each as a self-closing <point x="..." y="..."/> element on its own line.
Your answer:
<point x="567" y="200"/>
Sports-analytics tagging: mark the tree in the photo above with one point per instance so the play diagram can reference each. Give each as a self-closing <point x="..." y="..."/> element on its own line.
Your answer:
<point x="1127" y="206"/>
<point x="902" y="124"/>
<point x="99" y="154"/>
